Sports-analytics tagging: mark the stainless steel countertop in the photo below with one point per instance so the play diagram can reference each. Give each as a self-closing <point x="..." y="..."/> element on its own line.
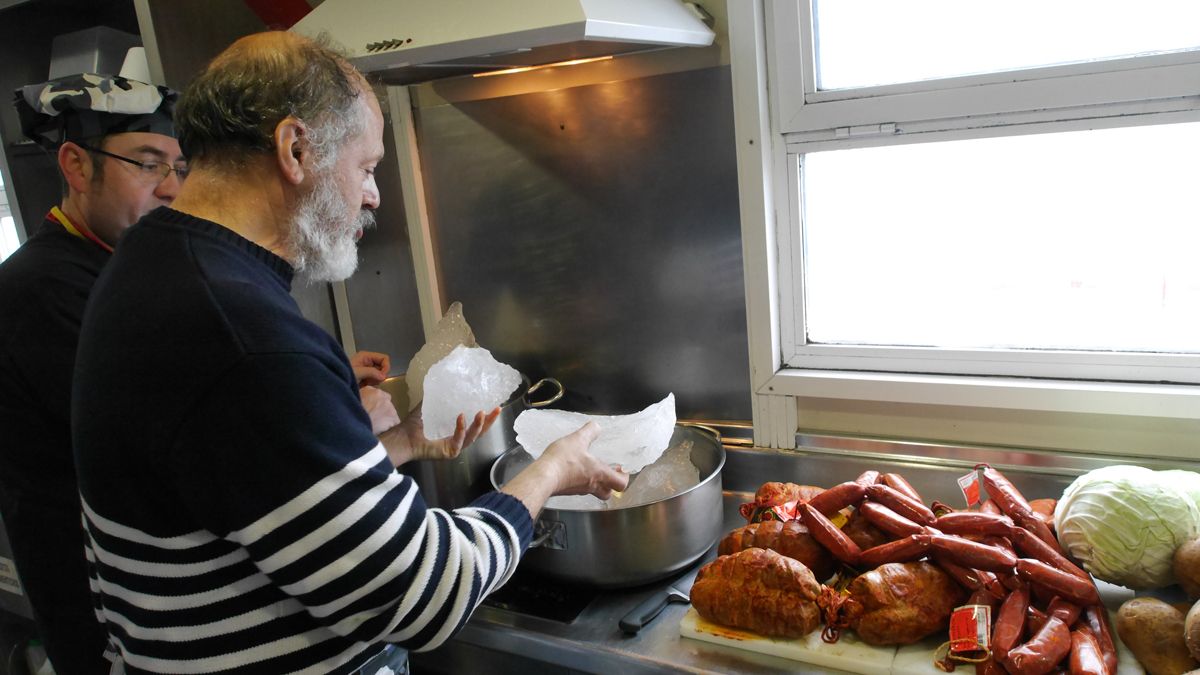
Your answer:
<point x="497" y="640"/>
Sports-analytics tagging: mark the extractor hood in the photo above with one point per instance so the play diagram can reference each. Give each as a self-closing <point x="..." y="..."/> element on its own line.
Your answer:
<point x="408" y="41"/>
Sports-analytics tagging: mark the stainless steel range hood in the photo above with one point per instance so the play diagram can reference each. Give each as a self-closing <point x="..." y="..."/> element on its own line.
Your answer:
<point x="408" y="41"/>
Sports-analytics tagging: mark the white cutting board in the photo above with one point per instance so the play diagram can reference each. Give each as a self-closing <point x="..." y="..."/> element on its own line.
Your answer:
<point x="848" y="653"/>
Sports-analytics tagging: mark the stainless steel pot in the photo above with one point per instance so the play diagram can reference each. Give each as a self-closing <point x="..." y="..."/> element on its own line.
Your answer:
<point x="452" y="483"/>
<point x="629" y="546"/>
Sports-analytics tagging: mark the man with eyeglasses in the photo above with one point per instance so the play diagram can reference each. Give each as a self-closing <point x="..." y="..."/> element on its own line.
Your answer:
<point x="114" y="140"/>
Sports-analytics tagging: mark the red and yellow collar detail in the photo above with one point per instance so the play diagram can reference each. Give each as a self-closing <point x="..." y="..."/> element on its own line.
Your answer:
<point x="79" y="230"/>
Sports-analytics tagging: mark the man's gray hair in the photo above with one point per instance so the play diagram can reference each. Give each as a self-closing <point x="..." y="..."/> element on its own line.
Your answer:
<point x="229" y="112"/>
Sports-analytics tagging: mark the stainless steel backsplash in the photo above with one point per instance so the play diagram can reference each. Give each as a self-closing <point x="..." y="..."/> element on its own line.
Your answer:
<point x="591" y="234"/>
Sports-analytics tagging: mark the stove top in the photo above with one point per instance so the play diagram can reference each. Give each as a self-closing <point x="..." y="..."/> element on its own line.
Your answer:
<point x="532" y="594"/>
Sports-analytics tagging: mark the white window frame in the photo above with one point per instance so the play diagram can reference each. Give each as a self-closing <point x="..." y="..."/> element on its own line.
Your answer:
<point x="778" y="119"/>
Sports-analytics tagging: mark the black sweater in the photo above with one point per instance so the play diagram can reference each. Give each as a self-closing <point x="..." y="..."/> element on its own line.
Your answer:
<point x="239" y="510"/>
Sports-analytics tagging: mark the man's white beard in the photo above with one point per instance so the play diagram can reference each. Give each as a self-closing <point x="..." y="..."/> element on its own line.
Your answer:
<point x="322" y="242"/>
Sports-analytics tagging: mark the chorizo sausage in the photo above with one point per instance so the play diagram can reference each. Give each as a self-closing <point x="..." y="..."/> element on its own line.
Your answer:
<point x="1085" y="654"/>
<point x="1031" y="546"/>
<point x="1010" y="623"/>
<point x="838" y="497"/>
<point x="1065" y="610"/>
<point x="901" y="503"/>
<point x="899" y="484"/>
<point x="828" y="535"/>
<point x="1097" y="620"/>
<point x="974" y="523"/>
<point x="973" y="554"/>
<point x="970" y="579"/>
<point x="990" y="507"/>
<point x="1013" y="504"/>
<point x="1069" y="586"/>
<point x="907" y="549"/>
<point x="867" y="478"/>
<point x="1043" y="652"/>
<point x="888" y="520"/>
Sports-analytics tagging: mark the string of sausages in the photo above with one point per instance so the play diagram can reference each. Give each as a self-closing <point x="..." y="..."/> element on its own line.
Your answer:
<point x="1004" y="554"/>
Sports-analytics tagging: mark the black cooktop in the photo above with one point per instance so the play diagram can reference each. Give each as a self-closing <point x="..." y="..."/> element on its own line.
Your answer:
<point x="535" y="595"/>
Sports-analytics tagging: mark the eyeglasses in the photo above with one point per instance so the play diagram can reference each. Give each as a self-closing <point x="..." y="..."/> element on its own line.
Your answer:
<point x="155" y="172"/>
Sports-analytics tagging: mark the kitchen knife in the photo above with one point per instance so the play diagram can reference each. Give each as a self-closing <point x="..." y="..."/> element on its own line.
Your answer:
<point x="651" y="607"/>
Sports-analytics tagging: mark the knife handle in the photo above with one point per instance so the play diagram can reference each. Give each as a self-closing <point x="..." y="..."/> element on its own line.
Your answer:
<point x="649" y="608"/>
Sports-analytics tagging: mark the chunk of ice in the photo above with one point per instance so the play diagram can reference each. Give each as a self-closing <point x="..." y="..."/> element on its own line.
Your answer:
<point x="467" y="381"/>
<point x="629" y="441"/>
<point x="672" y="474"/>
<point x="451" y="331"/>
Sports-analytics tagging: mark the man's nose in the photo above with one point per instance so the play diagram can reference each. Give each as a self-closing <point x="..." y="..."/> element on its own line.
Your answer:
<point x="370" y="195"/>
<point x="168" y="188"/>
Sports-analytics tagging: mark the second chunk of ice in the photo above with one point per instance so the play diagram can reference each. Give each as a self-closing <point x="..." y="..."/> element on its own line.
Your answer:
<point x="468" y="380"/>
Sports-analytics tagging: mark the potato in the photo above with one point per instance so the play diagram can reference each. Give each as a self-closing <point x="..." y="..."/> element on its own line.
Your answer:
<point x="1186" y="566"/>
<point x="1153" y="631"/>
<point x="1191" y="630"/>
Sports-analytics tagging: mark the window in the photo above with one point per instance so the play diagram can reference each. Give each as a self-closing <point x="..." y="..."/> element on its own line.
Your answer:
<point x="957" y="235"/>
<point x="8" y="226"/>
<point x="984" y="203"/>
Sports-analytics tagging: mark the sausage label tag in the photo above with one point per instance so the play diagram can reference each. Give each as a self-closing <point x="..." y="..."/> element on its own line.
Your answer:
<point x="969" y="484"/>
<point x="970" y="629"/>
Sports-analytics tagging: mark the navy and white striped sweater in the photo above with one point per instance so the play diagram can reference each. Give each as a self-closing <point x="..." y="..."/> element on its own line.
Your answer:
<point x="241" y="516"/>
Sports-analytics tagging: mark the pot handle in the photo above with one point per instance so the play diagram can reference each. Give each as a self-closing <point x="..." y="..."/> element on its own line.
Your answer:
<point x="702" y="427"/>
<point x="549" y="534"/>
<point x="538" y="385"/>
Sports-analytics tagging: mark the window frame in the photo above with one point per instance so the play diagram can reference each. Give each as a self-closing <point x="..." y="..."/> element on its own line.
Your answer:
<point x="779" y="117"/>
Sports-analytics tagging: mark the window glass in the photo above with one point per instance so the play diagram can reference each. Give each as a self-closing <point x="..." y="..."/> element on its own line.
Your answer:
<point x="8" y="226"/>
<point x="1077" y="240"/>
<point x="874" y="42"/>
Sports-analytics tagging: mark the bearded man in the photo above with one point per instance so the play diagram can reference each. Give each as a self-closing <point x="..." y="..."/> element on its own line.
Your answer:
<point x="241" y="514"/>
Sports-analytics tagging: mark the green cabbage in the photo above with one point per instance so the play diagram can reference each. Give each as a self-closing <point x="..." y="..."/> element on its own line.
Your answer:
<point x="1186" y="481"/>
<point x="1123" y="523"/>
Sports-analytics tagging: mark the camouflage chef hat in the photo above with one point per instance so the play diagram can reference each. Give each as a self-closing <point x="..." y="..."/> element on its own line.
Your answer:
<point x="87" y="106"/>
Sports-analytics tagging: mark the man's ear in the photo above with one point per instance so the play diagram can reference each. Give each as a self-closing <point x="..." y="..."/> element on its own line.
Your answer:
<point x="76" y="167"/>
<point x="291" y="145"/>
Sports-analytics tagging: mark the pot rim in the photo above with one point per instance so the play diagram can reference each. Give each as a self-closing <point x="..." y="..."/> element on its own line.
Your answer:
<point x="716" y="472"/>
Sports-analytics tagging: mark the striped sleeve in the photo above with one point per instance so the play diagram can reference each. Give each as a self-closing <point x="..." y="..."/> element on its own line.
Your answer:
<point x="297" y="541"/>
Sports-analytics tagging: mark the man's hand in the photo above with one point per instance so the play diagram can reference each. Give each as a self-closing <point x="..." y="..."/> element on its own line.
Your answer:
<point x="370" y="368"/>
<point x="566" y="468"/>
<point x="380" y="409"/>
<point x="407" y="441"/>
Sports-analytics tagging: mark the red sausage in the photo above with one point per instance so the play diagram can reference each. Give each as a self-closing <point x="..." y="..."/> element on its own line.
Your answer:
<point x="973" y="554"/>
<point x="867" y="478"/>
<point x="1097" y="620"/>
<point x="1010" y="623"/>
<point x="1069" y="586"/>
<point x="1004" y="493"/>
<point x="897" y="483"/>
<point x="941" y="508"/>
<point x="974" y="523"/>
<point x="909" y="548"/>
<point x="1013" y="504"/>
<point x="990" y="667"/>
<point x="1036" y="618"/>
<point x="828" y="535"/>
<point x="838" y="497"/>
<point x="972" y="580"/>
<point x="901" y="503"/>
<point x="1031" y="546"/>
<point x="1067" y="611"/>
<point x="1085" y="654"/>
<point x="1044" y="650"/>
<point x="989" y="507"/>
<point x="888" y="520"/>
<point x="983" y="597"/>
